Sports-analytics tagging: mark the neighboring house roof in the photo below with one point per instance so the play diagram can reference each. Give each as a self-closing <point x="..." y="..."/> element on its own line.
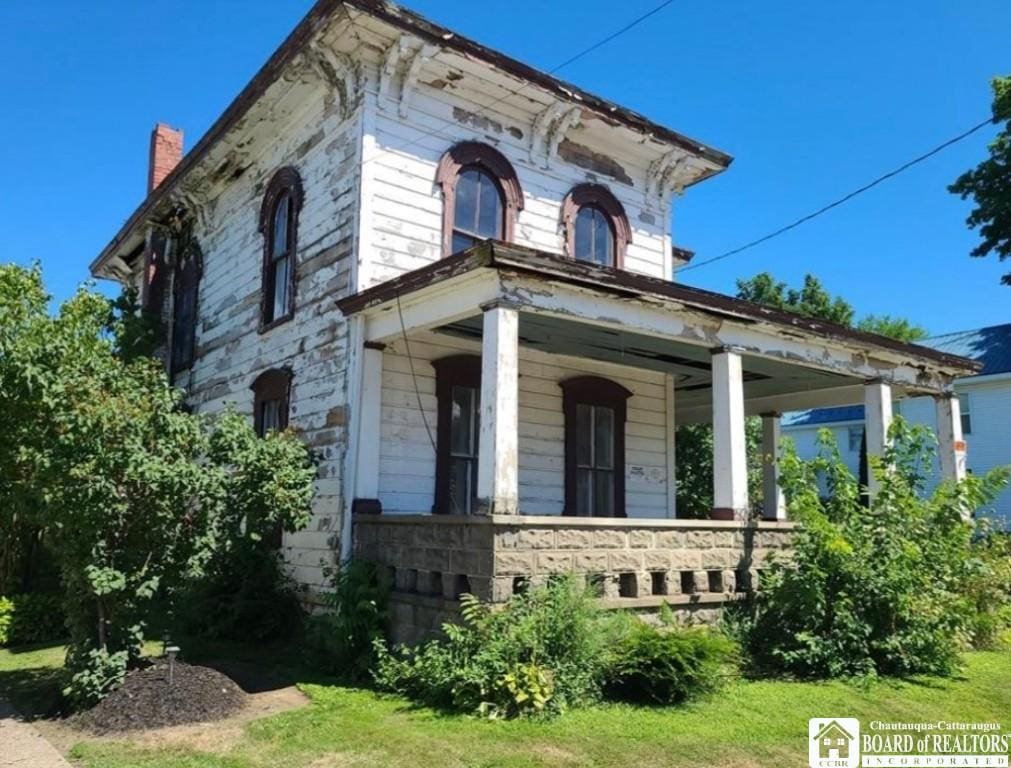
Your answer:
<point x="990" y="346"/>
<point x="499" y="255"/>
<point x="415" y="24"/>
<point x="816" y="416"/>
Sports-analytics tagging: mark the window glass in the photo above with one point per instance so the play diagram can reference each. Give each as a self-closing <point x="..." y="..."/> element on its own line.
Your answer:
<point x="463" y="450"/>
<point x="477" y="214"/>
<point x="270" y="416"/>
<point x="594" y="239"/>
<point x="594" y="460"/>
<point x="280" y="242"/>
<point x="280" y="279"/>
<point x="963" y="407"/>
<point x="855" y="438"/>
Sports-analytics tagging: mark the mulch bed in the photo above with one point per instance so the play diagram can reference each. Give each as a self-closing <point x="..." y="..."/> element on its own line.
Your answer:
<point x="146" y="699"/>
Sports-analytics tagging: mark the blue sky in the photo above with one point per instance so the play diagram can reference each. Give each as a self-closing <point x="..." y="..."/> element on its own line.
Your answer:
<point x="812" y="99"/>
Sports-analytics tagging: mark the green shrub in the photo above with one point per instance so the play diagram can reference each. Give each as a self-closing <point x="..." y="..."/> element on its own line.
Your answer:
<point x="31" y="618"/>
<point x="96" y="672"/>
<point x="878" y="589"/>
<point x="667" y="665"/>
<point x="989" y="590"/>
<point x="342" y="639"/>
<point x="542" y="651"/>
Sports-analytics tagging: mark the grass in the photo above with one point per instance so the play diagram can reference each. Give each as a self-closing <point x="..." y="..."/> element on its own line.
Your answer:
<point x="749" y="724"/>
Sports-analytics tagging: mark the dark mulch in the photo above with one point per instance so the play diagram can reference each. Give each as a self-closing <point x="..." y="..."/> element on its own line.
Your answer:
<point x="146" y="699"/>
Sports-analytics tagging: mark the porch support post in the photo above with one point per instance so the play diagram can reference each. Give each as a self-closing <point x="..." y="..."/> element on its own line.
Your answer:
<point x="951" y="446"/>
<point x="498" y="454"/>
<point x="773" y="502"/>
<point x="366" y="498"/>
<point x="730" y="461"/>
<point x="877" y="420"/>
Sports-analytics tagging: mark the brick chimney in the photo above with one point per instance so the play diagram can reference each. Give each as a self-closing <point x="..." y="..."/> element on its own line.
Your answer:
<point x="166" y="152"/>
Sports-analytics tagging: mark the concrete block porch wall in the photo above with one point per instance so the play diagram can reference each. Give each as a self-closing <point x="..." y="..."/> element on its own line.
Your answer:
<point x="694" y="566"/>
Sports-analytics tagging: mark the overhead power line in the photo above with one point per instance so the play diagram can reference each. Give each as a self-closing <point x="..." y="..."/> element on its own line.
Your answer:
<point x="571" y="60"/>
<point x="841" y="200"/>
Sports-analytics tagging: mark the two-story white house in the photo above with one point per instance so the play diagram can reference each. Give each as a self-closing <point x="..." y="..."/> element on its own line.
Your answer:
<point x="450" y="274"/>
<point x="984" y="405"/>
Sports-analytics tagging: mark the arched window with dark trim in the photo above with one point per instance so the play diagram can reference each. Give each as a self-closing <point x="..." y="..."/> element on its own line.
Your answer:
<point x="595" y="413"/>
<point x="458" y="391"/>
<point x="279" y="226"/>
<point x="185" y="290"/>
<point x="271" y="394"/>
<point x="481" y="196"/>
<point x="596" y="227"/>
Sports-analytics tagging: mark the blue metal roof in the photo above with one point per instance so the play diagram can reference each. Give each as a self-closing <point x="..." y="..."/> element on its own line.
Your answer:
<point x="990" y="346"/>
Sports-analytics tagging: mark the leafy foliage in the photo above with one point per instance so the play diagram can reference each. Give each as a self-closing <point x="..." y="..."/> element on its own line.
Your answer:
<point x="667" y="665"/>
<point x="133" y="493"/>
<point x="989" y="184"/>
<point x="897" y="328"/>
<point x="878" y="590"/>
<point x="31" y="618"/>
<point x="811" y="300"/>
<point x="541" y="652"/>
<point x="344" y="637"/>
<point x="694" y="449"/>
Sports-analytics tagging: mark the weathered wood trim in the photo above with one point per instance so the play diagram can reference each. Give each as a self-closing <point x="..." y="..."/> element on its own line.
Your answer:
<point x="454" y="370"/>
<point x="285" y="182"/>
<point x="598" y="196"/>
<point x="498" y="445"/>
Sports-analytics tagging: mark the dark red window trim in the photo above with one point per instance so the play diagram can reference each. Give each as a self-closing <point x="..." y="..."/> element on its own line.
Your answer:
<point x="285" y="183"/>
<point x="474" y="154"/>
<point x="455" y="370"/>
<point x="189" y="268"/>
<point x="594" y="390"/>
<point x="599" y="197"/>
<point x="272" y="384"/>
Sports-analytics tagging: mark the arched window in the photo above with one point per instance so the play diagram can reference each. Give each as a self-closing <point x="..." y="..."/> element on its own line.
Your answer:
<point x="595" y="412"/>
<point x="279" y="225"/>
<point x="188" y="267"/>
<point x="271" y="391"/>
<point x="481" y="196"/>
<point x="458" y="391"/>
<point x="596" y="228"/>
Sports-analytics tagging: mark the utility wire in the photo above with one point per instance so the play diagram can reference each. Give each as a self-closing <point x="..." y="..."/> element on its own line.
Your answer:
<point x="572" y="59"/>
<point x="841" y="200"/>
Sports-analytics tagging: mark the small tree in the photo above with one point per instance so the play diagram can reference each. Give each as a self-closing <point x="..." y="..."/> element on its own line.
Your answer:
<point x="132" y="491"/>
<point x="892" y="589"/>
<point x="989" y="184"/>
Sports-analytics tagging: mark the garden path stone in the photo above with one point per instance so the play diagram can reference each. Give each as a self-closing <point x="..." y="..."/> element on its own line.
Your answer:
<point x="21" y="746"/>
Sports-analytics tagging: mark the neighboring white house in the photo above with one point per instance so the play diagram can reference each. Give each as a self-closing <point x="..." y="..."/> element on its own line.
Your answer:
<point x="449" y="273"/>
<point x="985" y="401"/>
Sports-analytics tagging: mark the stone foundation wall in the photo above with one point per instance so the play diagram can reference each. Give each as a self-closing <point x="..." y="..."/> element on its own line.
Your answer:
<point x="695" y="566"/>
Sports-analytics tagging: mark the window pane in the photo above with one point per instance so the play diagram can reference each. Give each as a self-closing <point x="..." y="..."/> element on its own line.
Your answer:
<point x="490" y="209"/>
<point x="603" y="240"/>
<point x="584" y="235"/>
<point x="270" y="416"/>
<point x="462" y="441"/>
<point x="465" y="212"/>
<point x="603" y="437"/>
<point x="594" y="240"/>
<point x="280" y="289"/>
<point x="603" y="494"/>
<point x="460" y="489"/>
<point x="584" y="500"/>
<point x="584" y="432"/>
<point x="963" y="407"/>
<point x="280" y="244"/>
<point x="462" y="241"/>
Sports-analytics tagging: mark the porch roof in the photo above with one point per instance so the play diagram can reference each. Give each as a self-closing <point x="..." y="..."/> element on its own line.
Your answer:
<point x="513" y="259"/>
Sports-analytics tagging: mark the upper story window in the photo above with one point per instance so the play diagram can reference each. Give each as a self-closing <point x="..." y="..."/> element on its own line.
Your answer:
<point x="596" y="228"/>
<point x="279" y="225"/>
<point x="481" y="196"/>
<point x="271" y="391"/>
<point x="595" y="412"/>
<point x="189" y="265"/>
<point x="458" y="391"/>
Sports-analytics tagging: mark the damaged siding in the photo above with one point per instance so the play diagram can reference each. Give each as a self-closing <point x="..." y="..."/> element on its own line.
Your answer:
<point x="407" y="459"/>
<point x="231" y="352"/>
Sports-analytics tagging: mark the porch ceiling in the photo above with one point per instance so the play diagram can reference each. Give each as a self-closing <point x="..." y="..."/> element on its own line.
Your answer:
<point x="765" y="381"/>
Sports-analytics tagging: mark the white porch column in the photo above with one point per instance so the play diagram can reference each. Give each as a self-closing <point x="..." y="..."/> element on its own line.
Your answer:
<point x="671" y="432"/>
<point x="950" y="444"/>
<point x="877" y="421"/>
<point x="366" y="498"/>
<point x="773" y="501"/>
<point x="730" y="461"/>
<point x="498" y="454"/>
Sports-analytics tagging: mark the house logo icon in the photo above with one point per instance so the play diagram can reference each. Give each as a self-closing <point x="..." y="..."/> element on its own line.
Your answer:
<point x="833" y="742"/>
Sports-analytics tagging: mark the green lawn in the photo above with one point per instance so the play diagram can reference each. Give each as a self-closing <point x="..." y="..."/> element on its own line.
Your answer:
<point x="750" y="724"/>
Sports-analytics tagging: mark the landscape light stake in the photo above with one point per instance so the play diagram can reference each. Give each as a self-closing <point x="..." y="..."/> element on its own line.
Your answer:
<point x="171" y="651"/>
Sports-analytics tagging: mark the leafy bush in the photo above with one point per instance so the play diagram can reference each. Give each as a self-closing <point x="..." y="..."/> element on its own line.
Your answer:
<point x="989" y="589"/>
<point x="877" y="589"/>
<point x="542" y="651"/>
<point x="667" y="665"/>
<point x="31" y="618"/>
<point x="343" y="638"/>
<point x="95" y="673"/>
